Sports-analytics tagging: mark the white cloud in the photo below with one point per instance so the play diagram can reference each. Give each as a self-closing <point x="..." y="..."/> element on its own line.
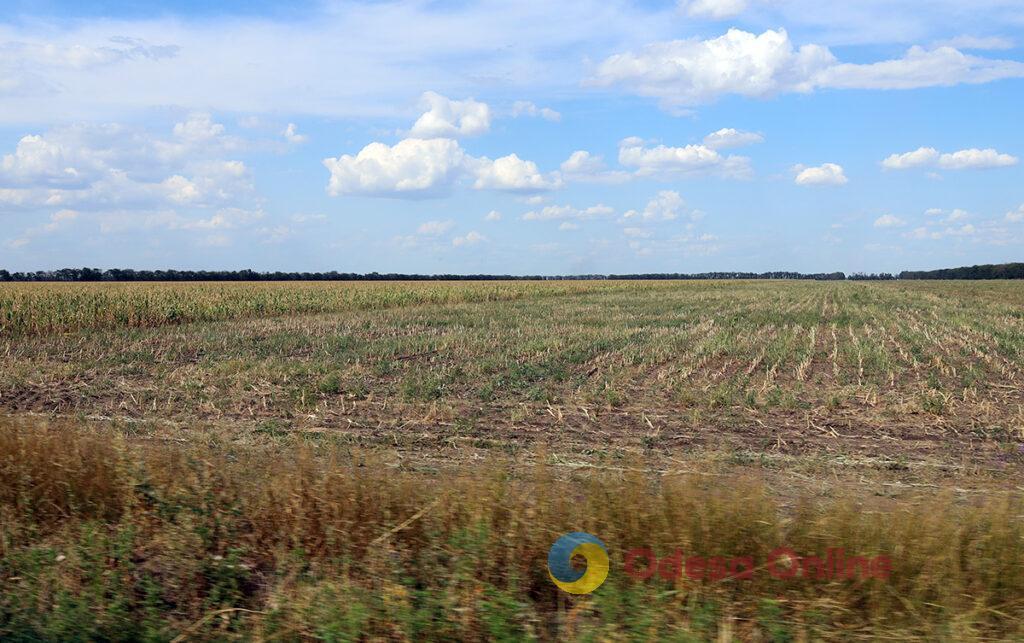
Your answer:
<point x="922" y="156"/>
<point x="825" y="174"/>
<point x="975" y="158"/>
<point x="584" y="167"/>
<point x="513" y="174"/>
<point x="451" y="118"/>
<point x="78" y="57"/>
<point x="469" y="239"/>
<point x="713" y="9"/>
<point x="977" y="42"/>
<point x="1016" y="216"/>
<point x="435" y="228"/>
<point x="920" y="67"/>
<point x="568" y="225"/>
<point x="960" y="160"/>
<point x="685" y="244"/>
<point x="58" y="220"/>
<point x="666" y="206"/>
<point x="691" y="159"/>
<point x="291" y="134"/>
<point x="555" y="212"/>
<point x="224" y="219"/>
<point x="410" y="167"/>
<point x="198" y="128"/>
<point x="691" y="72"/>
<point x="290" y="66"/>
<point x="116" y="168"/>
<point x="493" y="215"/>
<point x="637" y="233"/>
<point x="180" y="190"/>
<point x="39" y="161"/>
<point x="416" y="167"/>
<point x="526" y="108"/>
<point x="583" y="162"/>
<point x="925" y="232"/>
<point x="274" y="234"/>
<point x="728" y="137"/>
<point x="889" y="221"/>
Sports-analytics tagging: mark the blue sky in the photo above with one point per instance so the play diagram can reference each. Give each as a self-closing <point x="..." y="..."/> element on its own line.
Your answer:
<point x="512" y="137"/>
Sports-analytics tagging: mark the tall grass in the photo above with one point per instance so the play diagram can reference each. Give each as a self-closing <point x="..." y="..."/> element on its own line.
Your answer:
<point x="102" y="538"/>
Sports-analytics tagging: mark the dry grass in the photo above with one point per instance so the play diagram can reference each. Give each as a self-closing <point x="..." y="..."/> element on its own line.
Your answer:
<point x="109" y="539"/>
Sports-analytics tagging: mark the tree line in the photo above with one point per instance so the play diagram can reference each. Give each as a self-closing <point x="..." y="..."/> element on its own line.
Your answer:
<point x="1000" y="271"/>
<point x="987" y="271"/>
<point x="127" y="274"/>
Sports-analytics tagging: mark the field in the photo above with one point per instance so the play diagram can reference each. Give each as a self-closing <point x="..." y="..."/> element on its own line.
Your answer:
<point x="393" y="460"/>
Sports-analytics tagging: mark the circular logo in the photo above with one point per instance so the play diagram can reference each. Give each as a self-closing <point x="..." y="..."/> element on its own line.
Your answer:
<point x="570" y="579"/>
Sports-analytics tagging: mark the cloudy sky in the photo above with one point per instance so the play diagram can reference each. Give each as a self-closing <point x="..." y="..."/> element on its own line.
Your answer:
<point x="511" y="136"/>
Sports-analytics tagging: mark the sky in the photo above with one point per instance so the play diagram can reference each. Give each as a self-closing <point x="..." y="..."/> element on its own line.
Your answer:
<point x="511" y="137"/>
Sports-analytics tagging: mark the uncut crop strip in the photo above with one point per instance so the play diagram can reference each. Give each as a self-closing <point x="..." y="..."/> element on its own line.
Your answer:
<point x="46" y="308"/>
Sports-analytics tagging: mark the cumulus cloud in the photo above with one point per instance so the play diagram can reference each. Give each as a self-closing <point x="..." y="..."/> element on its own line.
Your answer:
<point x="526" y="108"/>
<point x="291" y="134"/>
<point x="637" y="233"/>
<point x="1016" y="216"/>
<point x="889" y="221"/>
<point x="692" y="72"/>
<point x="416" y="167"/>
<point x="824" y="174"/>
<point x="513" y="174"/>
<point x="691" y="159"/>
<point x="224" y="219"/>
<point x="451" y="118"/>
<point x="412" y="166"/>
<point x="935" y="234"/>
<point x="666" y="206"/>
<point x="727" y="137"/>
<point x="713" y="9"/>
<point x="470" y="238"/>
<point x="960" y="160"/>
<point x="58" y="220"/>
<point x="493" y="215"/>
<point x="199" y="127"/>
<point x="94" y="167"/>
<point x="557" y="212"/>
<point x="42" y="161"/>
<point x="435" y="228"/>
<point x="584" y="167"/>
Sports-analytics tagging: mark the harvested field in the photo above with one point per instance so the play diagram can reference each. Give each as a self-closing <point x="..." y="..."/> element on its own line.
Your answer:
<point x="308" y="461"/>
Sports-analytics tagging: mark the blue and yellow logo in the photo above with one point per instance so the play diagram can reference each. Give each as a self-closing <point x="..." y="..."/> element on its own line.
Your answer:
<point x="578" y="581"/>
